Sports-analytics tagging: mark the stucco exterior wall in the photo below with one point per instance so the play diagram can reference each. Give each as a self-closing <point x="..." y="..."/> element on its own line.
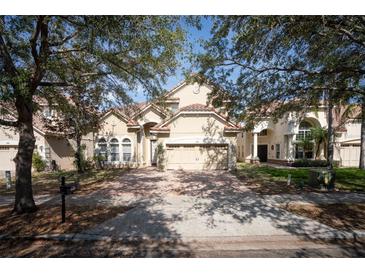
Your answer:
<point x="148" y="116"/>
<point x="192" y="94"/>
<point x="196" y="125"/>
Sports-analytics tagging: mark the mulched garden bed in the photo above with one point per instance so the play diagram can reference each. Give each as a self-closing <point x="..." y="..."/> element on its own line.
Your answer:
<point x="47" y="220"/>
<point x="340" y="216"/>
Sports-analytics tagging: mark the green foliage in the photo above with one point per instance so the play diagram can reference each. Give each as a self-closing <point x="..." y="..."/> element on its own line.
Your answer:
<point x="161" y="157"/>
<point x="85" y="164"/>
<point x="320" y="137"/>
<point x="265" y="62"/>
<point x="98" y="160"/>
<point x="38" y="163"/>
<point x="306" y="144"/>
<point x="309" y="163"/>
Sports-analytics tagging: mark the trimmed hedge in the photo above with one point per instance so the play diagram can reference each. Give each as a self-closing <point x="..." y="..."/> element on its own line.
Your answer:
<point x="312" y="163"/>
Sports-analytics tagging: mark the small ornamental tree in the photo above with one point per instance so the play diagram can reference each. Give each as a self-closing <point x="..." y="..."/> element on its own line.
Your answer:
<point x="38" y="163"/>
<point x="161" y="157"/>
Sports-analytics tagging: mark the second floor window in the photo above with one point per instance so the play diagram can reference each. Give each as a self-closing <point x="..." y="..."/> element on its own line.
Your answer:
<point x="304" y="131"/>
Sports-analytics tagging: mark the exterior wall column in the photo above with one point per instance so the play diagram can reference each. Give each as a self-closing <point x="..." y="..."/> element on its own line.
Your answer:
<point x="254" y="158"/>
<point x="290" y="148"/>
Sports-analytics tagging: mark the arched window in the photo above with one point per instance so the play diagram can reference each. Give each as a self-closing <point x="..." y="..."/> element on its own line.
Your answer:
<point x="114" y="150"/>
<point x="126" y="149"/>
<point x="102" y="148"/>
<point x="304" y="131"/>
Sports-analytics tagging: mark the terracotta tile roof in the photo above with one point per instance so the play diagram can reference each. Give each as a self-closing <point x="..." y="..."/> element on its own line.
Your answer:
<point x="197" y="107"/>
<point x="131" y="110"/>
<point x="132" y="123"/>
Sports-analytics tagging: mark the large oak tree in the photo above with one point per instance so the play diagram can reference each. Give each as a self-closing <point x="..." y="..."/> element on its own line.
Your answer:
<point x="275" y="64"/>
<point x="119" y="53"/>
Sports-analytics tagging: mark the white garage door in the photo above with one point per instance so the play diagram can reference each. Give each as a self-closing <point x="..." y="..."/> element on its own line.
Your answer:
<point x="197" y="157"/>
<point x="7" y="154"/>
<point x="350" y="155"/>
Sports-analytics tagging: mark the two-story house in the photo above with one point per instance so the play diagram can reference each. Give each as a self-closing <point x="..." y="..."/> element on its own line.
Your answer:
<point x="192" y="133"/>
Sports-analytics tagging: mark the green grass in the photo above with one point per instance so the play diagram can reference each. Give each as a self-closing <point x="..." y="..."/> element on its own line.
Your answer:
<point x="352" y="179"/>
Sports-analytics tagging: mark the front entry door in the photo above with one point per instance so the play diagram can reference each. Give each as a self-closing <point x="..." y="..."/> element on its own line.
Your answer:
<point x="262" y="153"/>
<point x="153" y="152"/>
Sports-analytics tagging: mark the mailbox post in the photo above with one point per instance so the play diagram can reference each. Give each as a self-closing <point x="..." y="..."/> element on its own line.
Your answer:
<point x="66" y="189"/>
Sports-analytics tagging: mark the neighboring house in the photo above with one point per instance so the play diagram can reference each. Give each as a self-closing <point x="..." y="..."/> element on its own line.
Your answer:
<point x="280" y="142"/>
<point x="191" y="132"/>
<point x="50" y="145"/>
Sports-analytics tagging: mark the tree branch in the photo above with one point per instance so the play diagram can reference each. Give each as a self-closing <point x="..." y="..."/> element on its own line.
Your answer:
<point x="294" y="69"/>
<point x="55" y="84"/>
<point x="8" y="62"/>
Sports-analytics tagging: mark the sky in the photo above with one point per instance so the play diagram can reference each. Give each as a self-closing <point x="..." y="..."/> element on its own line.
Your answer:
<point x="193" y="36"/>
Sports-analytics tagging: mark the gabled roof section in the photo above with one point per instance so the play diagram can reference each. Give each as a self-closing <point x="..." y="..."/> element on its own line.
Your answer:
<point x="117" y="112"/>
<point x="147" y="107"/>
<point x="196" y="108"/>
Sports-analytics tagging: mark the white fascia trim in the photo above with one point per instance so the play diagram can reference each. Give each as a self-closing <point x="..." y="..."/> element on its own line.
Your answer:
<point x="233" y="130"/>
<point x="357" y="140"/>
<point x="174" y="89"/>
<point x="196" y="140"/>
<point x="9" y="143"/>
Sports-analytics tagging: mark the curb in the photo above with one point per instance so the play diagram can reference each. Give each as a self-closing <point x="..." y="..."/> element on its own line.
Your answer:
<point x="75" y="237"/>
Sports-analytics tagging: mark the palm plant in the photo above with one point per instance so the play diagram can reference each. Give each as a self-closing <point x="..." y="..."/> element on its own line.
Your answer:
<point x="307" y="145"/>
<point x="320" y="136"/>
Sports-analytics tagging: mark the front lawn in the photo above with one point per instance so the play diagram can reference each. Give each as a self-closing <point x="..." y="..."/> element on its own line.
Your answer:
<point x="48" y="182"/>
<point x="273" y="180"/>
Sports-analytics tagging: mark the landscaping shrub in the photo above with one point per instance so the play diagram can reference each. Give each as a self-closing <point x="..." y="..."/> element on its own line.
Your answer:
<point x="312" y="163"/>
<point x="38" y="163"/>
<point x="160" y="157"/>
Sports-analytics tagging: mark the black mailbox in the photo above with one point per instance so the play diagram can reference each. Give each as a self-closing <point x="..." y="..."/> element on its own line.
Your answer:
<point x="66" y="189"/>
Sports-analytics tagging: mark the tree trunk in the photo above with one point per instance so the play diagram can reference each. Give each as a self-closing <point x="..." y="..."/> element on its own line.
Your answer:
<point x="330" y="134"/>
<point x="24" y="201"/>
<point x="318" y="150"/>
<point x="362" y="145"/>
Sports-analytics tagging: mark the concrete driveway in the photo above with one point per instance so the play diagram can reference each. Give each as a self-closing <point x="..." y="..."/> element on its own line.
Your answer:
<point x="206" y="210"/>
